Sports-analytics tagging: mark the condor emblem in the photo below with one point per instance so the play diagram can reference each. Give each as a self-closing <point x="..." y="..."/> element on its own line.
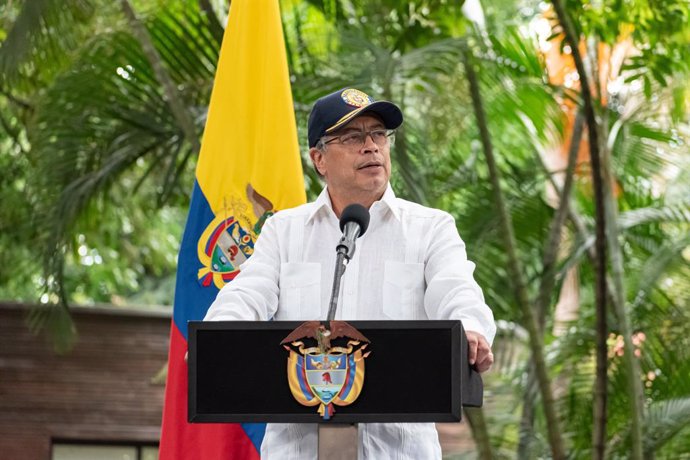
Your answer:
<point x="322" y="374"/>
<point x="229" y="239"/>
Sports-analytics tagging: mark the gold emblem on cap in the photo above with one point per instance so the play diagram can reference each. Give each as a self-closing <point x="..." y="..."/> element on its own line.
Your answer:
<point x="356" y="98"/>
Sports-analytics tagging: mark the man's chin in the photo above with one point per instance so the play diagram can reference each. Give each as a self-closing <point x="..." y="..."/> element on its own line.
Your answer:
<point x="373" y="175"/>
<point x="377" y="187"/>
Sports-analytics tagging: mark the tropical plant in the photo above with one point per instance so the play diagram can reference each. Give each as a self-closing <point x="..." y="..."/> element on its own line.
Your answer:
<point x="101" y="128"/>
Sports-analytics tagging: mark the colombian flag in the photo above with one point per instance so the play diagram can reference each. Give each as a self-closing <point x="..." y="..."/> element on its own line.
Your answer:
<point x="249" y="167"/>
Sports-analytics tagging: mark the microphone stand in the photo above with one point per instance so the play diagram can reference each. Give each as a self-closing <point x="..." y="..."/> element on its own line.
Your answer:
<point x="338" y="440"/>
<point x="340" y="266"/>
<point x="345" y="249"/>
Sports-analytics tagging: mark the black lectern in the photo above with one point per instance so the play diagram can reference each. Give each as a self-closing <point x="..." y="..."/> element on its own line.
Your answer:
<point x="417" y="371"/>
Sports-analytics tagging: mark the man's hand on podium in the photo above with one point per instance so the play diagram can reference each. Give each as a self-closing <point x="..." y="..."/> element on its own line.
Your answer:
<point x="480" y="355"/>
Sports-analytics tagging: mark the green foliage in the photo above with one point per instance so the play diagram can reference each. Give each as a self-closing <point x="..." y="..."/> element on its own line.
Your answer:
<point x="97" y="154"/>
<point x="659" y="30"/>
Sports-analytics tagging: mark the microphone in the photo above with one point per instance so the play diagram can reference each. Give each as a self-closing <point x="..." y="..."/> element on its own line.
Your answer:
<point x="354" y="222"/>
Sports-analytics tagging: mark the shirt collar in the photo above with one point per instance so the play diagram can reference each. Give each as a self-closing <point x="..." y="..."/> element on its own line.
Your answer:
<point x="324" y="201"/>
<point x="388" y="200"/>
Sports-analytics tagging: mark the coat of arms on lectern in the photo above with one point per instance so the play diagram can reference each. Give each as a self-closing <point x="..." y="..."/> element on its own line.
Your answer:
<point x="322" y="374"/>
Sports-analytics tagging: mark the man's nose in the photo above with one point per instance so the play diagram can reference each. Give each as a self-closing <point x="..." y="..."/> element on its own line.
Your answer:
<point x="369" y="145"/>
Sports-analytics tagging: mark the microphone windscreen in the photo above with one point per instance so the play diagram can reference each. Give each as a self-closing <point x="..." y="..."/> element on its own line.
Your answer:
<point x="355" y="213"/>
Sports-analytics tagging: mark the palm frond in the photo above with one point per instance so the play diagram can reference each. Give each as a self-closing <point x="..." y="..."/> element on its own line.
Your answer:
<point x="658" y="264"/>
<point x="679" y="213"/>
<point x="664" y="420"/>
<point x="107" y="116"/>
<point x="57" y="321"/>
<point x="44" y="32"/>
<point x="517" y="54"/>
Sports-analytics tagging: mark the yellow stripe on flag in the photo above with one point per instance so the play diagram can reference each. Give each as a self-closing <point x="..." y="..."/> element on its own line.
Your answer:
<point x="250" y="135"/>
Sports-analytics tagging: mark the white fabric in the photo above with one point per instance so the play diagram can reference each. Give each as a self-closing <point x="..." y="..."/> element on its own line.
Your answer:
<point x="410" y="264"/>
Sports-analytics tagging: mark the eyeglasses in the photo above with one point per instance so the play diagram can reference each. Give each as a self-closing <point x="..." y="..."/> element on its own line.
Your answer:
<point x="358" y="138"/>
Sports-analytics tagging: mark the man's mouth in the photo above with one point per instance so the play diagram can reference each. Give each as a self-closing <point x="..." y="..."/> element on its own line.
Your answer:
<point x="370" y="165"/>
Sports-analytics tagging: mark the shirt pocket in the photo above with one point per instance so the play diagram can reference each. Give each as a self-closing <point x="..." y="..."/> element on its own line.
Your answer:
<point x="403" y="290"/>
<point x="300" y="291"/>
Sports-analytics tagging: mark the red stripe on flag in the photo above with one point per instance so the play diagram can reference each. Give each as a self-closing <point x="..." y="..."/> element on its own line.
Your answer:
<point x="190" y="441"/>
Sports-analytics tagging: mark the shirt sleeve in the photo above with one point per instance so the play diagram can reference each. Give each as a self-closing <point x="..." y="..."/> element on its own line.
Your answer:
<point x="253" y="294"/>
<point x="452" y="292"/>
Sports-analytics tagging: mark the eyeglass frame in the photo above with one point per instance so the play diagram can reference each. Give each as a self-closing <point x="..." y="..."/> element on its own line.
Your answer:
<point x="389" y="135"/>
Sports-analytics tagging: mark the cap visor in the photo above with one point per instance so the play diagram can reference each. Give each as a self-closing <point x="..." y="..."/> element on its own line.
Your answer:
<point x="389" y="113"/>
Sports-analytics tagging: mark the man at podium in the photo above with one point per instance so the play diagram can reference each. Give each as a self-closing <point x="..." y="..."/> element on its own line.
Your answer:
<point x="410" y="265"/>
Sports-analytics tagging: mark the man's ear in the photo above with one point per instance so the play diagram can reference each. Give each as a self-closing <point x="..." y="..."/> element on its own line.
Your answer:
<point x="317" y="158"/>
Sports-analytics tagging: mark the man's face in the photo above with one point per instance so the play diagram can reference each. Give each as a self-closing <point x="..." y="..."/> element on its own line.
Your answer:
<point x="353" y="173"/>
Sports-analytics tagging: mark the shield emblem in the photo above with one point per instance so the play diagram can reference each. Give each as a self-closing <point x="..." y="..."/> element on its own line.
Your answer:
<point x="233" y="246"/>
<point x="326" y="374"/>
<point x="222" y="248"/>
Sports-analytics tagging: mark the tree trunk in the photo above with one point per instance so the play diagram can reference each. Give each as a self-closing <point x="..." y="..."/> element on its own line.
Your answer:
<point x="526" y="431"/>
<point x="480" y="433"/>
<point x="600" y="387"/>
<point x="630" y="362"/>
<point x="548" y="277"/>
<point x="177" y="107"/>
<point x="553" y="244"/>
<point x="515" y="268"/>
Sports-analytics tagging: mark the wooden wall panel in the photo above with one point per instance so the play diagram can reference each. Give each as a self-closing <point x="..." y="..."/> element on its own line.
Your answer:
<point x="101" y="390"/>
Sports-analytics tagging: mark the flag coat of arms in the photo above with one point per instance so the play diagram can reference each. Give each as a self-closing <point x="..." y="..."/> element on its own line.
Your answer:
<point x="249" y="167"/>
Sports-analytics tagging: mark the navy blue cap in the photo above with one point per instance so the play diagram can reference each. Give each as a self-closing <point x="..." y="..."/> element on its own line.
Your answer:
<point x="337" y="109"/>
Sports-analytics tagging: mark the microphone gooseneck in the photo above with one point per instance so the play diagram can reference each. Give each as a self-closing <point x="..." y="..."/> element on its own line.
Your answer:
<point x="354" y="221"/>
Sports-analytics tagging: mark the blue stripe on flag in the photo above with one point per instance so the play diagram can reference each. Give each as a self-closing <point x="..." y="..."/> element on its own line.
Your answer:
<point x="192" y="300"/>
<point x="256" y="432"/>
